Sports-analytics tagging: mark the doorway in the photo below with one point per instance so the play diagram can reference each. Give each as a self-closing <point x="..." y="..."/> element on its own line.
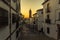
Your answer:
<point x="58" y="26"/>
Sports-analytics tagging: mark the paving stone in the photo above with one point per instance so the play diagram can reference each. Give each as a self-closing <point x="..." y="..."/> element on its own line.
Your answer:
<point x="28" y="35"/>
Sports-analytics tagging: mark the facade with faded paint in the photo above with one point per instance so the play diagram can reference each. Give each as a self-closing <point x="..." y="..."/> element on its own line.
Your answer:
<point x="40" y="19"/>
<point x="51" y="10"/>
<point x="9" y="19"/>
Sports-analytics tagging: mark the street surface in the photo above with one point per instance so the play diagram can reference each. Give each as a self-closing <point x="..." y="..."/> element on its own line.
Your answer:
<point x="29" y="35"/>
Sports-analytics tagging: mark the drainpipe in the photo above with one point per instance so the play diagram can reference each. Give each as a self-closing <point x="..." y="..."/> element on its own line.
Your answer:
<point x="10" y="20"/>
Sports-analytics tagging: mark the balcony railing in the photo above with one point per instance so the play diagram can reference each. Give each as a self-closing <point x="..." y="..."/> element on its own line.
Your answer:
<point x="48" y="10"/>
<point x="48" y="21"/>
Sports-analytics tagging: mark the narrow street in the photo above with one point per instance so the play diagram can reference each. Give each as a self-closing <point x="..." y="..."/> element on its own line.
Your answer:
<point x="29" y="35"/>
<point x="29" y="19"/>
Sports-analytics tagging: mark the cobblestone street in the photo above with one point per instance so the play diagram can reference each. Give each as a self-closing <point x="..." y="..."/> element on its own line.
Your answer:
<point x="28" y="35"/>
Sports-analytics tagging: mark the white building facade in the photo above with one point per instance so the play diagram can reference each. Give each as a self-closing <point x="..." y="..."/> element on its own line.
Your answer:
<point x="9" y="18"/>
<point x="51" y="10"/>
<point x="40" y="19"/>
<point x="35" y="21"/>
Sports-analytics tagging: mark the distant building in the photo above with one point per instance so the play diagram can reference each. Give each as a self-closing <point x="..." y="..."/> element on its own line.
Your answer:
<point x="40" y="19"/>
<point x="35" y="18"/>
<point x="31" y="20"/>
<point x="51" y="11"/>
<point x="35" y="21"/>
<point x="30" y="13"/>
<point x="9" y="19"/>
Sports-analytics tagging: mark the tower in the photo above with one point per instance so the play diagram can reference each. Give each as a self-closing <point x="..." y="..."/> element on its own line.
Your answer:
<point x="30" y="13"/>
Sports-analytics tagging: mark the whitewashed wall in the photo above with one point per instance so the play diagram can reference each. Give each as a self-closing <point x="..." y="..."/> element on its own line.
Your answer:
<point x="4" y="31"/>
<point x="54" y="8"/>
<point x="40" y="20"/>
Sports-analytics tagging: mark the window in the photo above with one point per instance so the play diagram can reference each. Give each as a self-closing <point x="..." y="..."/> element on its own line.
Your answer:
<point x="59" y="15"/>
<point x="14" y="18"/>
<point x="48" y="30"/>
<point x="48" y="20"/>
<point x="48" y="16"/>
<point x="17" y="7"/>
<point x="34" y="22"/>
<point x="3" y="17"/>
<point x="17" y="22"/>
<point x="48" y="9"/>
<point x="41" y="12"/>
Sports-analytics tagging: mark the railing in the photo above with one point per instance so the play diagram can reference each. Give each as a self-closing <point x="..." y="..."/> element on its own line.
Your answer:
<point x="48" y="10"/>
<point x="48" y="21"/>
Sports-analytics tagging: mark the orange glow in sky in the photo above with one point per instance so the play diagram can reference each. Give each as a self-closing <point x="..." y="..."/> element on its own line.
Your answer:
<point x="34" y="5"/>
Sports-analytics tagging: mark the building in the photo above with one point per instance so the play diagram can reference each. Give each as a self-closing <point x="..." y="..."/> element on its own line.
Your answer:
<point x="40" y="19"/>
<point x="35" y="18"/>
<point x="51" y="10"/>
<point x="35" y="21"/>
<point x="30" y="13"/>
<point x="31" y="20"/>
<point x="9" y="19"/>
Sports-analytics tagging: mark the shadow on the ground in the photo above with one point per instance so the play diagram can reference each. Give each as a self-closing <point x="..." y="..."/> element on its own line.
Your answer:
<point x="29" y="35"/>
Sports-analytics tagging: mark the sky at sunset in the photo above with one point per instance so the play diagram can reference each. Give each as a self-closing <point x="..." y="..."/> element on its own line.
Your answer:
<point x="26" y="5"/>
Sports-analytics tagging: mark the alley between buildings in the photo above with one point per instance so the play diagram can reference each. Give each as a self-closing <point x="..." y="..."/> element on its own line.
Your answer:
<point x="27" y="34"/>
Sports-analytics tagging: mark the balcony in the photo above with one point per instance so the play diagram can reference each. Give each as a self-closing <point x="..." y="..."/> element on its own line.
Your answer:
<point x="14" y="18"/>
<point x="47" y="10"/>
<point x="48" y="21"/>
